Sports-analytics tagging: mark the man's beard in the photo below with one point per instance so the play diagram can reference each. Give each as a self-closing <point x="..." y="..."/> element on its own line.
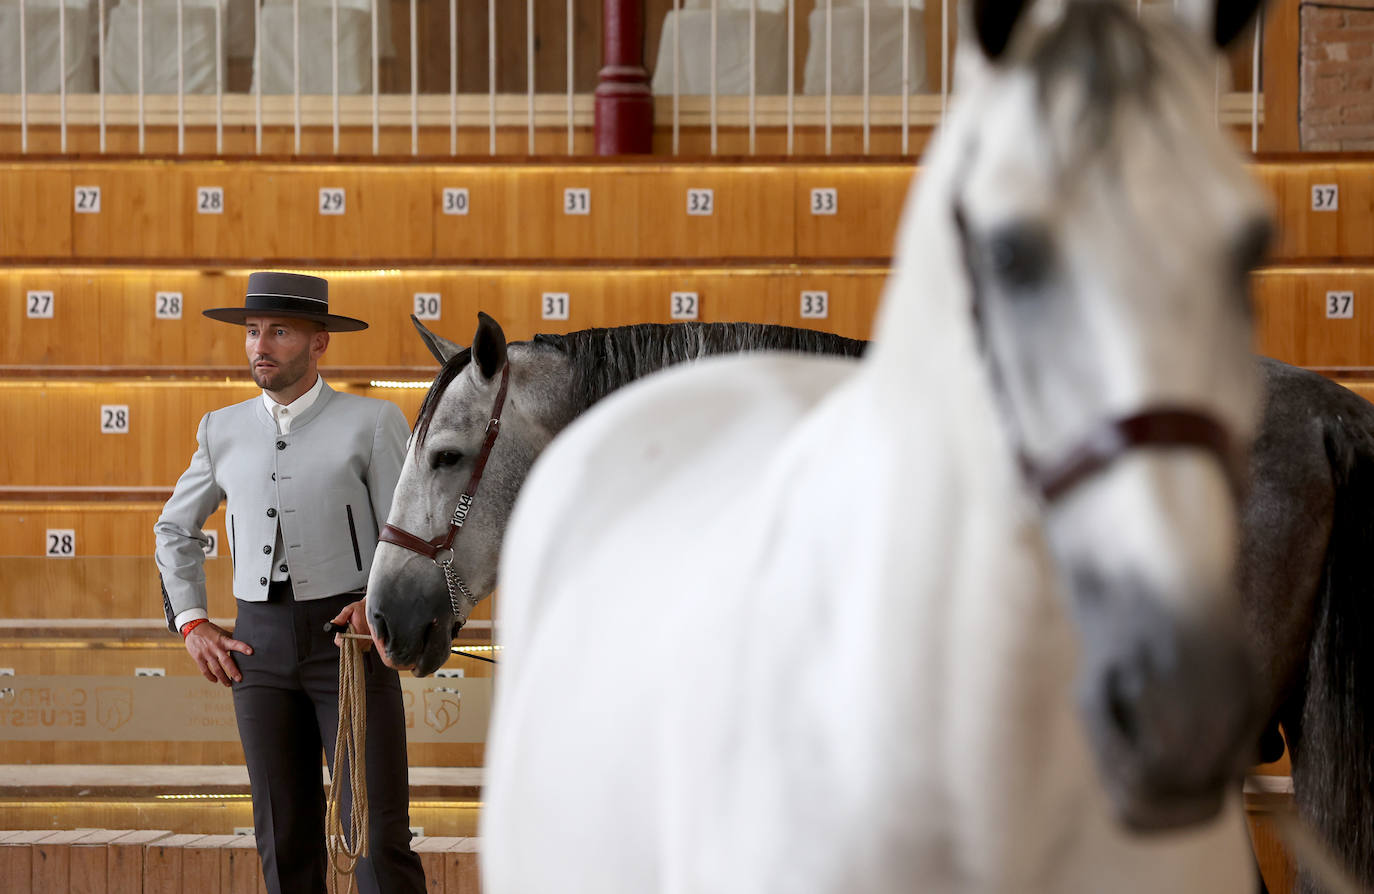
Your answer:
<point x="284" y="376"/>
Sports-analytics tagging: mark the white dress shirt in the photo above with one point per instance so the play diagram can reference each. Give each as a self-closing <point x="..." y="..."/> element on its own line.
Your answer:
<point x="284" y="414"/>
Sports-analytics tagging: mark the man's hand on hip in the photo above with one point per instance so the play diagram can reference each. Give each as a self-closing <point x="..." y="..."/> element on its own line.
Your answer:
<point x="210" y="646"/>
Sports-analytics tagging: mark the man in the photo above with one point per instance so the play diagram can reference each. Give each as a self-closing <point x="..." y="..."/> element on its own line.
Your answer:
<point x="308" y="474"/>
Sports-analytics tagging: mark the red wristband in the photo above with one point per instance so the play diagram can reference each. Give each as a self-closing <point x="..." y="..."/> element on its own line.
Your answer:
<point x="191" y="625"/>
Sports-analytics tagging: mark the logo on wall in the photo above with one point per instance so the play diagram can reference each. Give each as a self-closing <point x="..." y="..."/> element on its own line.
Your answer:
<point x="114" y="706"/>
<point x="442" y="708"/>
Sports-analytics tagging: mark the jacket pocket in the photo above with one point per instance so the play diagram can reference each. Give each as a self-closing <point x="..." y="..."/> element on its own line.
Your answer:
<point x="232" y="539"/>
<point x="353" y="535"/>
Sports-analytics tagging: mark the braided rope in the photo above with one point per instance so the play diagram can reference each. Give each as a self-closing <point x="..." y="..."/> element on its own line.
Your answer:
<point x="349" y="744"/>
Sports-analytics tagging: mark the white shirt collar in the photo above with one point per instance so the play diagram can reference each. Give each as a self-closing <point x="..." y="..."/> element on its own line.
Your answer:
<point x="286" y="413"/>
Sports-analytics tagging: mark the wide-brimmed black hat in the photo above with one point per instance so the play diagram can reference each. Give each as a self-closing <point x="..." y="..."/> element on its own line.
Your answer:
<point x="286" y="295"/>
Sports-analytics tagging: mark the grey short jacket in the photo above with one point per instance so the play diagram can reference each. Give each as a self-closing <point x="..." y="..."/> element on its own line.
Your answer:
<point x="328" y="483"/>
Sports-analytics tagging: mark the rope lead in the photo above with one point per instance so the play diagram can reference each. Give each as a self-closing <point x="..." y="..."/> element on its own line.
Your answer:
<point x="349" y="743"/>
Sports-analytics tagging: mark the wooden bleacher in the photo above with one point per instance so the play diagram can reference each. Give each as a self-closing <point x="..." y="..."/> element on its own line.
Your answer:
<point x="98" y="613"/>
<point x="393" y="213"/>
<point x="117" y="861"/>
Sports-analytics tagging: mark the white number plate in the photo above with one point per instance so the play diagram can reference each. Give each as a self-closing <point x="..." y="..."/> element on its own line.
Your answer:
<point x="114" y="419"/>
<point x="88" y="200"/>
<point x="824" y="201"/>
<point x="209" y="200"/>
<point x="167" y="306"/>
<point x="1326" y="197"/>
<point x="554" y="306"/>
<point x="455" y="200"/>
<point x="428" y="305"/>
<point x="577" y="201"/>
<point x="39" y="305"/>
<point x="701" y="202"/>
<point x="1340" y="305"/>
<point x="684" y="305"/>
<point x="815" y="305"/>
<point x="61" y="542"/>
<point x="212" y="548"/>
<point x="331" y="201"/>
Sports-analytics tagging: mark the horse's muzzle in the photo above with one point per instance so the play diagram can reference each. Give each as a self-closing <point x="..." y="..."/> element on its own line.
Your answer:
<point x="1170" y="708"/>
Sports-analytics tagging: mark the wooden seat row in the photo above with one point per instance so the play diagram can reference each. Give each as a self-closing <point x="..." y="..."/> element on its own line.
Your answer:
<point x="122" y="321"/>
<point x="70" y="418"/>
<point x="387" y="214"/>
<point x="105" y="861"/>
<point x="101" y="698"/>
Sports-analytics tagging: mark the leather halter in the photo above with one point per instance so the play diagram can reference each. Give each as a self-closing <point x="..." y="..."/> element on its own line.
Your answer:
<point x="1154" y="427"/>
<point x="1110" y="440"/>
<point x="440" y="549"/>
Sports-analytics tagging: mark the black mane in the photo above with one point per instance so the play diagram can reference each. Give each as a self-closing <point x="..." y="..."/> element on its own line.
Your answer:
<point x="447" y="374"/>
<point x="603" y="360"/>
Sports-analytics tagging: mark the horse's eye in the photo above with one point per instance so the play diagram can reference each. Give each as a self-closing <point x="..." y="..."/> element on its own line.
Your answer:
<point x="446" y="458"/>
<point x="1020" y="256"/>
<point x="1252" y="246"/>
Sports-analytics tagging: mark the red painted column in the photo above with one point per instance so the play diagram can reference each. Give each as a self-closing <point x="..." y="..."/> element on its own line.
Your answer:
<point x="624" y="104"/>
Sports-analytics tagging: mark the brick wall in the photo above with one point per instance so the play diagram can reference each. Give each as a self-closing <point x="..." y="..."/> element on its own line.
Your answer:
<point x="1336" y="109"/>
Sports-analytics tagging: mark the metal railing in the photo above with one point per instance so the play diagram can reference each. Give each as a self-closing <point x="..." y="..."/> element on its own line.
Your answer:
<point x="865" y="66"/>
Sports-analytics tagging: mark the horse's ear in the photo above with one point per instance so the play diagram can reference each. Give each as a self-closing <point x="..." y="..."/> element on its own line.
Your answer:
<point x="993" y="23"/>
<point x="440" y="347"/>
<point x="1231" y="18"/>
<point x="1218" y="21"/>
<point x="488" y="346"/>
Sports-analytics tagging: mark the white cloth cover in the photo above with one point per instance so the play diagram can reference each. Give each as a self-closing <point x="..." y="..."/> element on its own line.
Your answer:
<point x="732" y="53"/>
<point x="41" y="49"/>
<point x="275" y="65"/>
<point x="847" y="58"/>
<point x="160" y="47"/>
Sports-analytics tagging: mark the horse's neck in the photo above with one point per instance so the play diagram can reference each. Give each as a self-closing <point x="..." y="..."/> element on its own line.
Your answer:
<point x="1006" y="712"/>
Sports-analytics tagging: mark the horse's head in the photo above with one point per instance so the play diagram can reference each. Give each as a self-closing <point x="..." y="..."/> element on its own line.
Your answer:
<point x="1105" y="229"/>
<point x="415" y="604"/>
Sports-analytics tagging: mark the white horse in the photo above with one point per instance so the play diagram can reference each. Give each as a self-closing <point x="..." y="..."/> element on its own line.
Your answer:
<point x="960" y="617"/>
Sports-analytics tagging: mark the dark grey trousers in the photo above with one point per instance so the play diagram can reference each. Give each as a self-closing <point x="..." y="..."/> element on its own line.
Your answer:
<point x="287" y="707"/>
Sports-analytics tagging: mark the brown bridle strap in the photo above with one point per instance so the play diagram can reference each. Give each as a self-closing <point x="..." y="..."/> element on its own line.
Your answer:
<point x="431" y="549"/>
<point x="1161" y="426"/>
<point x="1158" y="427"/>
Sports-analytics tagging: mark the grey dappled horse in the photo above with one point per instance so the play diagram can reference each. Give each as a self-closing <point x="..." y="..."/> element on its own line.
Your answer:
<point x="553" y="379"/>
<point x="1306" y="575"/>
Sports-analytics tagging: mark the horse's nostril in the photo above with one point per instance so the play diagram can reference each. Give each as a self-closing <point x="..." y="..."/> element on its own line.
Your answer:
<point x="1120" y="705"/>
<point x="379" y="628"/>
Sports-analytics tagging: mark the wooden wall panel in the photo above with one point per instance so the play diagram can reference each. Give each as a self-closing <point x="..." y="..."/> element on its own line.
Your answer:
<point x="104" y="318"/>
<point x="869" y="201"/>
<point x="35" y="212"/>
<point x="142" y="212"/>
<point x="1345" y="232"/>
<point x="1291" y="320"/>
<point x="753" y="213"/>
<point x="65" y="418"/>
<point x="393" y="211"/>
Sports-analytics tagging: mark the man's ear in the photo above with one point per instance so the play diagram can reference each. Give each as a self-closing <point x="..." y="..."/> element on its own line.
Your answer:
<point x="440" y="347"/>
<point x="319" y="342"/>
<point x="488" y="346"/>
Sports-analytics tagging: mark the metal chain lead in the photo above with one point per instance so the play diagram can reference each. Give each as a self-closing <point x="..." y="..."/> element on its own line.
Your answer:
<point x="455" y="585"/>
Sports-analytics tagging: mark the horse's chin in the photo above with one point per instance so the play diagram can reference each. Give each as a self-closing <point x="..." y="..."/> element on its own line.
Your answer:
<point x="433" y="653"/>
<point x="1156" y="812"/>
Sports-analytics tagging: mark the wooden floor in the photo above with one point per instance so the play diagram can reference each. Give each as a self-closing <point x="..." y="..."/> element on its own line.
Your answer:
<point x="148" y="858"/>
